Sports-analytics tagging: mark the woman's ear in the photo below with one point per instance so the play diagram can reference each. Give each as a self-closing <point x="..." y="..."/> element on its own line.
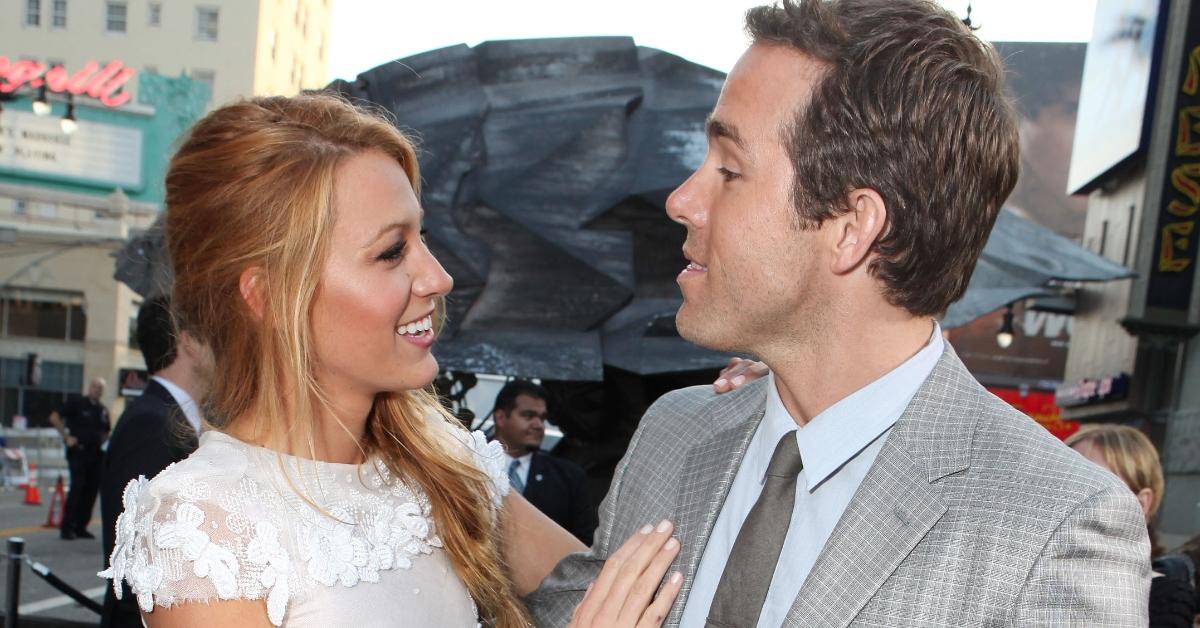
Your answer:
<point x="1145" y="497"/>
<point x="251" y="285"/>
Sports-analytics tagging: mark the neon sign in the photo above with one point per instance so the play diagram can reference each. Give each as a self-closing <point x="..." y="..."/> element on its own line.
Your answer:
<point x="103" y="84"/>
<point x="1171" y="277"/>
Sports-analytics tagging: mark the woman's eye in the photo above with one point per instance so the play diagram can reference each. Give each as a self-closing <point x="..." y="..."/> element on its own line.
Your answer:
<point x="727" y="174"/>
<point x="392" y="253"/>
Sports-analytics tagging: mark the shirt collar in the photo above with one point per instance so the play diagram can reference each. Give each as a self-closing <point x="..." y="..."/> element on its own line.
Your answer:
<point x="524" y="460"/>
<point x="826" y="442"/>
<point x="190" y="410"/>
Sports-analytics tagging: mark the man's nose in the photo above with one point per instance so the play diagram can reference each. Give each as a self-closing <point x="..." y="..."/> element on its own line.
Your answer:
<point x="686" y="204"/>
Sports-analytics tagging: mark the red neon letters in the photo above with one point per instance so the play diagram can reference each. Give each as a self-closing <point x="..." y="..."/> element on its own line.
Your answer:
<point x="99" y="83"/>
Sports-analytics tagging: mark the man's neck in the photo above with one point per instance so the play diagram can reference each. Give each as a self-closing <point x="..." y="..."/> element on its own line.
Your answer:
<point x="515" y="452"/>
<point x="814" y="375"/>
<point x="179" y="375"/>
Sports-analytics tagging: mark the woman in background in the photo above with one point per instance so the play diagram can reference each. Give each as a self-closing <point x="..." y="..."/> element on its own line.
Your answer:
<point x="1131" y="456"/>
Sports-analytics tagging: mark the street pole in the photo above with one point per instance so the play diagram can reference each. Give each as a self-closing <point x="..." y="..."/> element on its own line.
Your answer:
<point x="16" y="560"/>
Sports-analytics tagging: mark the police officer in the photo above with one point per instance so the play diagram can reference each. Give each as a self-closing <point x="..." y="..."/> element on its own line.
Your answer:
<point x="84" y="425"/>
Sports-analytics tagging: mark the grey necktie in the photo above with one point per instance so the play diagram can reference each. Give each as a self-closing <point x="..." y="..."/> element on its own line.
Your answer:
<point x="514" y="476"/>
<point x="751" y="565"/>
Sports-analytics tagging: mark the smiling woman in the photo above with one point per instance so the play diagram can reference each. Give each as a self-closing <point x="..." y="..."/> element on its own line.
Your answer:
<point x="331" y="489"/>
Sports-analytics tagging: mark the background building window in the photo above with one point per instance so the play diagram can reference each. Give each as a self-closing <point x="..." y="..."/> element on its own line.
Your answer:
<point x="58" y="14"/>
<point x="33" y="12"/>
<point x="207" y="22"/>
<point x="53" y="316"/>
<point x="154" y="14"/>
<point x="60" y="381"/>
<point x="116" y="17"/>
<point x="133" y="316"/>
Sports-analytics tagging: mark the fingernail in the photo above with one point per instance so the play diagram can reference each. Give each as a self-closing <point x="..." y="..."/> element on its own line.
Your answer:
<point x="720" y="382"/>
<point x="676" y="577"/>
<point x="664" y="526"/>
<point x="739" y="380"/>
<point x="671" y="545"/>
<point x="646" y="529"/>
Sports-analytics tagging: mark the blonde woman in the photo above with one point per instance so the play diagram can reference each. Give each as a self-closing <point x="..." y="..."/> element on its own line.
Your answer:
<point x="1130" y="455"/>
<point x="331" y="489"/>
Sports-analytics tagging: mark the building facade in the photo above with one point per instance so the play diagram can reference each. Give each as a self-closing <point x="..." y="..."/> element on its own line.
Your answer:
<point x="238" y="47"/>
<point x="1134" y="357"/>
<point x="69" y="199"/>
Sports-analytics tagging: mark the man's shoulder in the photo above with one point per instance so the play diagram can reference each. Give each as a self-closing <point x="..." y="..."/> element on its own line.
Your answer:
<point x="699" y="406"/>
<point x="1014" y="448"/>
<point x="564" y="466"/>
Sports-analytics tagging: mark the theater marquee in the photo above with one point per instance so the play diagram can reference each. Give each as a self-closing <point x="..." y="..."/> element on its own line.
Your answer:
<point x="99" y="154"/>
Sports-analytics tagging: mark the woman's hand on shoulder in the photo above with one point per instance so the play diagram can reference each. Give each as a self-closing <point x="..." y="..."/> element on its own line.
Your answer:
<point x="624" y="595"/>
<point x="737" y="373"/>
<point x="248" y="613"/>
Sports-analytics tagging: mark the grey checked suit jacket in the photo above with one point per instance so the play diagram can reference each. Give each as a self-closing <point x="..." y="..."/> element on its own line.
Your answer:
<point x="972" y="515"/>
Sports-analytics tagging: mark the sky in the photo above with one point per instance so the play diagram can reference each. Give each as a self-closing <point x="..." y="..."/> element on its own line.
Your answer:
<point x="367" y="33"/>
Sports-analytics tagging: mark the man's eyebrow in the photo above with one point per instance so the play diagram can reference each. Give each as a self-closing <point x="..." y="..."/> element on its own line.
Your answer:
<point x="717" y="129"/>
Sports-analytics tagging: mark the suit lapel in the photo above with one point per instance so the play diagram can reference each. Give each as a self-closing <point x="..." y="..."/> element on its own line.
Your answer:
<point x="897" y="504"/>
<point x="707" y="473"/>
<point x="532" y="486"/>
<point x="891" y="512"/>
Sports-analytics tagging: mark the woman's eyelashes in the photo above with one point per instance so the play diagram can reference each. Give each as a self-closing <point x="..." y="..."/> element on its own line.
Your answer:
<point x="727" y="174"/>
<point x="393" y="252"/>
<point x="396" y="251"/>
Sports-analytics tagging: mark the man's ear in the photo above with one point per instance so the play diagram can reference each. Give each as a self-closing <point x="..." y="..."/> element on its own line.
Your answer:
<point x="251" y="285"/>
<point x="499" y="416"/>
<point x="858" y="229"/>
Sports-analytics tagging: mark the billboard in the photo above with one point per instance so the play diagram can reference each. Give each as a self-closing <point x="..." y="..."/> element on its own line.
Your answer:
<point x="1114" y="108"/>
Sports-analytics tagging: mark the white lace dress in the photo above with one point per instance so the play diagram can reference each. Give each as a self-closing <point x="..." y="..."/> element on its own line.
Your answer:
<point x="225" y="524"/>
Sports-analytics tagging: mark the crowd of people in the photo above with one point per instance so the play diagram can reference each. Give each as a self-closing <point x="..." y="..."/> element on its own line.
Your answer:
<point x="858" y="156"/>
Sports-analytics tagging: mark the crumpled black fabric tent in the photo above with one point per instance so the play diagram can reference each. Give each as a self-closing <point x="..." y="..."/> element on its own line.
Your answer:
<point x="546" y="164"/>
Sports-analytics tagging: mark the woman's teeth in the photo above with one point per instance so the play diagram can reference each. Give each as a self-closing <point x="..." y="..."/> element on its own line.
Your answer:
<point x="417" y="328"/>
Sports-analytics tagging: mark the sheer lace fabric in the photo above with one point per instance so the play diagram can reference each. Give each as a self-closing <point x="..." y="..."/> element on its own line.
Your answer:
<point x="232" y="522"/>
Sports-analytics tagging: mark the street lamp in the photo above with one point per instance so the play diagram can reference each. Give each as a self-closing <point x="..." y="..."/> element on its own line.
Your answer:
<point x="68" y="123"/>
<point x="41" y="104"/>
<point x="1004" y="337"/>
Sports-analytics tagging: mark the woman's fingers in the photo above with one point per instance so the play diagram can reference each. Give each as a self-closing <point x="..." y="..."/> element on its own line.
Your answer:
<point x="594" y="601"/>
<point x="656" y="613"/>
<point x="627" y="582"/>
<point x="737" y="373"/>
<point x="635" y="564"/>
<point x="643" y="588"/>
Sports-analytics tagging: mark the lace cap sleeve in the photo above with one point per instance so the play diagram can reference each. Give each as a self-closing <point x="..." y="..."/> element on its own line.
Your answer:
<point x="175" y="543"/>
<point x="490" y="458"/>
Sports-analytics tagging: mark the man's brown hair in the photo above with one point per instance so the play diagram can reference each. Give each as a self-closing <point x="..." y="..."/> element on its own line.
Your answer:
<point x="912" y="105"/>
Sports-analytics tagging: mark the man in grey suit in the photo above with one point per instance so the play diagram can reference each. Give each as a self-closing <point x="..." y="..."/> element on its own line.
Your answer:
<point x="858" y="156"/>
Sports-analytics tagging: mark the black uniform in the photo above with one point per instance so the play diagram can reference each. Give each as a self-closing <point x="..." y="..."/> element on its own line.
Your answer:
<point x="87" y="421"/>
<point x="559" y="488"/>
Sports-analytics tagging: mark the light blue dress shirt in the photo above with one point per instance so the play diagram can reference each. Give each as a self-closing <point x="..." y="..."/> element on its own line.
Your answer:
<point x="838" y="448"/>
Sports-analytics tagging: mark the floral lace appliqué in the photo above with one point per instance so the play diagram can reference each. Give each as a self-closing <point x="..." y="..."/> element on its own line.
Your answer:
<point x="224" y="525"/>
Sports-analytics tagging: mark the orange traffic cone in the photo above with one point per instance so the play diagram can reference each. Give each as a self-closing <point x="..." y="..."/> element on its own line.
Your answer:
<point x="57" y="500"/>
<point x="33" y="497"/>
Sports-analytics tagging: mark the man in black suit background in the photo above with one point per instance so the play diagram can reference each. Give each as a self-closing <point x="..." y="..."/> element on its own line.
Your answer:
<point x="157" y="429"/>
<point x="557" y="487"/>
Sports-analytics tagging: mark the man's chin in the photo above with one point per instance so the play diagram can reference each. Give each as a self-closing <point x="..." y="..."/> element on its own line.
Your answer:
<point x="709" y="336"/>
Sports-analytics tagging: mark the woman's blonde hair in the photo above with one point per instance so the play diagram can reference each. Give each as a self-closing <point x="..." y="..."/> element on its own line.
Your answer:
<point x="1130" y="455"/>
<point x="252" y="187"/>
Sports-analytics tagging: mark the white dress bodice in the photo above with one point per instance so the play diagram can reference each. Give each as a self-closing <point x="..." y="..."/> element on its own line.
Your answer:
<point x="325" y="544"/>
